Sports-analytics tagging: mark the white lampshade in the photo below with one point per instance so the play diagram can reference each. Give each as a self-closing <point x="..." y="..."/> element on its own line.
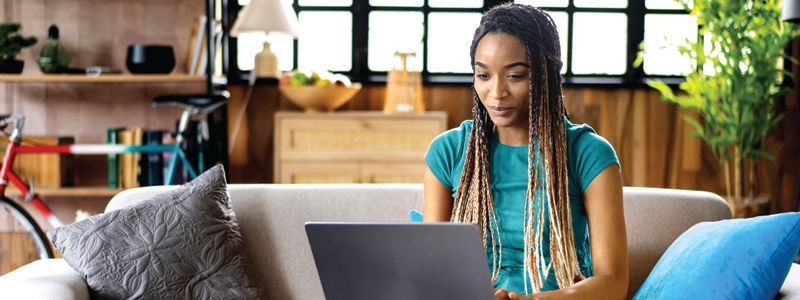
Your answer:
<point x="791" y="10"/>
<point x="266" y="16"/>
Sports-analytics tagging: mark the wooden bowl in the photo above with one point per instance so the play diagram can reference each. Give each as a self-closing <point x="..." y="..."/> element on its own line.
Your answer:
<point x="313" y="98"/>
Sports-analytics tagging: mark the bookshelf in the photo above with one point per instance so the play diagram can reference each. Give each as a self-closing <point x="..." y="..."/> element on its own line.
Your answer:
<point x="111" y="78"/>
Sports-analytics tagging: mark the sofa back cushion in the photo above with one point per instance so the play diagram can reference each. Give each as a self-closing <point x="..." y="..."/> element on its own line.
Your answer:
<point x="654" y="218"/>
<point x="271" y="217"/>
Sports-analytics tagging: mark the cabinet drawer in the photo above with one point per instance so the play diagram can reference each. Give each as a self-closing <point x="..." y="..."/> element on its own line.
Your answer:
<point x="356" y="139"/>
<point x="352" y="173"/>
<point x="320" y="173"/>
<point x="392" y="173"/>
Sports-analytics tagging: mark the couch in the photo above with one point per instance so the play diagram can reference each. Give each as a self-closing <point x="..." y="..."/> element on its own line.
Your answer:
<point x="271" y="217"/>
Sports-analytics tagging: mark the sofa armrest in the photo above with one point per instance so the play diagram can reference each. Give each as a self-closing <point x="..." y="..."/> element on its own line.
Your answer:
<point x="44" y="279"/>
<point x="791" y="286"/>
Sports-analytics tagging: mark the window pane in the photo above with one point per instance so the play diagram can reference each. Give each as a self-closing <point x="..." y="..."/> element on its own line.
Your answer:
<point x="326" y="41"/>
<point x="602" y="3"/>
<point x="544" y="3"/>
<point x="662" y="36"/>
<point x="663" y="4"/>
<point x="449" y="38"/>
<point x="391" y="31"/>
<point x="325" y="2"/>
<point x="409" y="3"/>
<point x="455" y="3"/>
<point x="248" y="44"/>
<point x="600" y="43"/>
<point x="562" y="20"/>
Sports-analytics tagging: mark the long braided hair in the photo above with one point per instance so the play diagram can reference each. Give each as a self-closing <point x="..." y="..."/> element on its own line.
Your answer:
<point x="547" y="198"/>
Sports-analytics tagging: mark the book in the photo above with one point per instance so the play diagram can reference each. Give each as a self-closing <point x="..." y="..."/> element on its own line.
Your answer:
<point x="216" y="43"/>
<point x="152" y="164"/>
<point x="125" y="138"/>
<point x="112" y="137"/>
<point x="198" y="48"/>
<point x="135" y="170"/>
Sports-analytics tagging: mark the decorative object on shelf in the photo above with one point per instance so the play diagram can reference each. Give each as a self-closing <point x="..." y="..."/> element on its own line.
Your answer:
<point x="11" y="43"/>
<point x="320" y="91"/>
<point x="733" y="92"/>
<point x="266" y="16"/>
<point x="150" y="59"/>
<point x="53" y="58"/>
<point x="403" y="87"/>
<point x="101" y="70"/>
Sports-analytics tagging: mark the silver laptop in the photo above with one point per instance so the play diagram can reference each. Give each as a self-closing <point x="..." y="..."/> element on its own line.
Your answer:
<point x="400" y="260"/>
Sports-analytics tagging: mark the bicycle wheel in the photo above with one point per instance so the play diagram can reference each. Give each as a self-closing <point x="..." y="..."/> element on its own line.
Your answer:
<point x="21" y="239"/>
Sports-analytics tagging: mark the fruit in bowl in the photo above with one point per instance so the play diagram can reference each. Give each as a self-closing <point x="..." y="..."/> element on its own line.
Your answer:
<point x="317" y="91"/>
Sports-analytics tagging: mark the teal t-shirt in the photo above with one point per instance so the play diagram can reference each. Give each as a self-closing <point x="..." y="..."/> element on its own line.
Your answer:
<point x="588" y="154"/>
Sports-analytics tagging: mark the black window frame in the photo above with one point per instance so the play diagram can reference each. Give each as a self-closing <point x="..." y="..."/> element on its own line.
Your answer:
<point x="633" y="77"/>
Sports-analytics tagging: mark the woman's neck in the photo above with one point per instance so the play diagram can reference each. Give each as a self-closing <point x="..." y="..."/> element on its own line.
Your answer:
<point x="512" y="136"/>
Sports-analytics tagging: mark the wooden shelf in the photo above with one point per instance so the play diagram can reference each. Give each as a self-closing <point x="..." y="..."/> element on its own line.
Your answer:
<point x="99" y="191"/>
<point x="111" y="78"/>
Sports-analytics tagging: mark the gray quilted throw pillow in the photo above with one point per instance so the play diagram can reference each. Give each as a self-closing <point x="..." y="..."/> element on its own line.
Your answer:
<point x="181" y="244"/>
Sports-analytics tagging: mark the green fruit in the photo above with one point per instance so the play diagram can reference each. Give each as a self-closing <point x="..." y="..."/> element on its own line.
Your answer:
<point x="314" y="78"/>
<point x="298" y="79"/>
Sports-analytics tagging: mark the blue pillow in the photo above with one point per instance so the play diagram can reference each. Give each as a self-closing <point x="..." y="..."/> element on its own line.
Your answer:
<point x="415" y="215"/>
<point x="729" y="259"/>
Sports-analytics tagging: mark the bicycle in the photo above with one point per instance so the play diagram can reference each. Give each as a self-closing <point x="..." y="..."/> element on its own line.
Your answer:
<point x="192" y="105"/>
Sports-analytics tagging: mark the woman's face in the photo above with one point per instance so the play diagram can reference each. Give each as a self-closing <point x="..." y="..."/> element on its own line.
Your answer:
<point x="501" y="79"/>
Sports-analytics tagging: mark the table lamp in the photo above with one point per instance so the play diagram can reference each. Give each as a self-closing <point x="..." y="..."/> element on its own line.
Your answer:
<point x="791" y="10"/>
<point x="266" y="16"/>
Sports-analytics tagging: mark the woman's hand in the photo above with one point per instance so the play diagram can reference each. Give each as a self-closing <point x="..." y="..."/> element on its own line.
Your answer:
<point x="500" y="294"/>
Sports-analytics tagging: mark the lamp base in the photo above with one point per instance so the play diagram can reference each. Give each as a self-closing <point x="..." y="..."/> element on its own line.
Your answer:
<point x="266" y="64"/>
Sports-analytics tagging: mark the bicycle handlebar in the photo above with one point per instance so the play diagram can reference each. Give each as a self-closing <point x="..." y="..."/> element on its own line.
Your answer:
<point x="19" y="123"/>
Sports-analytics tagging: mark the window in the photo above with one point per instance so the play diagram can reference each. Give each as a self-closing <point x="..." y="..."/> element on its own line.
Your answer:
<point x="599" y="38"/>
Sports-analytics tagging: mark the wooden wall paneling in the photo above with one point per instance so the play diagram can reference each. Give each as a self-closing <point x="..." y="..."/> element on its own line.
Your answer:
<point x="251" y="160"/>
<point x="653" y="142"/>
<point x="61" y="110"/>
<point x="657" y="140"/>
<point x="789" y="158"/>
<point x="34" y="11"/>
<point x="6" y="98"/>
<point x="31" y="98"/>
<point x="455" y="100"/>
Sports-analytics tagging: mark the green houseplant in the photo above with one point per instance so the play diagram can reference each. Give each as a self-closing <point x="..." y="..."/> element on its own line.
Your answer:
<point x="11" y="43"/>
<point x="737" y="63"/>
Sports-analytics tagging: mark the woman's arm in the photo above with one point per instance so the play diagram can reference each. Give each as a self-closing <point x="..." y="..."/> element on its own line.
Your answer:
<point x="438" y="203"/>
<point x="603" y="200"/>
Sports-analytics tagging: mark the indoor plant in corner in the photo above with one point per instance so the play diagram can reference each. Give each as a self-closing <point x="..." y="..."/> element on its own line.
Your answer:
<point x="737" y="72"/>
<point x="11" y="43"/>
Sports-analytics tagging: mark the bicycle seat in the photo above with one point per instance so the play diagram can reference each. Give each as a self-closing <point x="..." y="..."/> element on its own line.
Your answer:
<point x="203" y="103"/>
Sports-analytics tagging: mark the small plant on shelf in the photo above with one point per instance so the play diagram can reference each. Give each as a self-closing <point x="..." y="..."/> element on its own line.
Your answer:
<point x="11" y="43"/>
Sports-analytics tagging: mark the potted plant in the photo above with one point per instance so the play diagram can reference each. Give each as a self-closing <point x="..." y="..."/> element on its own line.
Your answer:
<point x="738" y="71"/>
<point x="11" y="43"/>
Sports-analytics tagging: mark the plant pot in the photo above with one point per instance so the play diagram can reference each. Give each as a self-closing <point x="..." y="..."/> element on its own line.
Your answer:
<point x="12" y="67"/>
<point x="749" y="207"/>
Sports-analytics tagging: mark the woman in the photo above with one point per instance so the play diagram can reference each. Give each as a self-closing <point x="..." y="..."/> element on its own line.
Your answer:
<point x="534" y="182"/>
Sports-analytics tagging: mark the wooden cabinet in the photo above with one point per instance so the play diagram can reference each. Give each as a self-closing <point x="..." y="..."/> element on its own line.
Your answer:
<point x="353" y="147"/>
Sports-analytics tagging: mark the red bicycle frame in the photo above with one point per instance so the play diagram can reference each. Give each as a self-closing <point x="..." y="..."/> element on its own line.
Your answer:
<point x="7" y="175"/>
